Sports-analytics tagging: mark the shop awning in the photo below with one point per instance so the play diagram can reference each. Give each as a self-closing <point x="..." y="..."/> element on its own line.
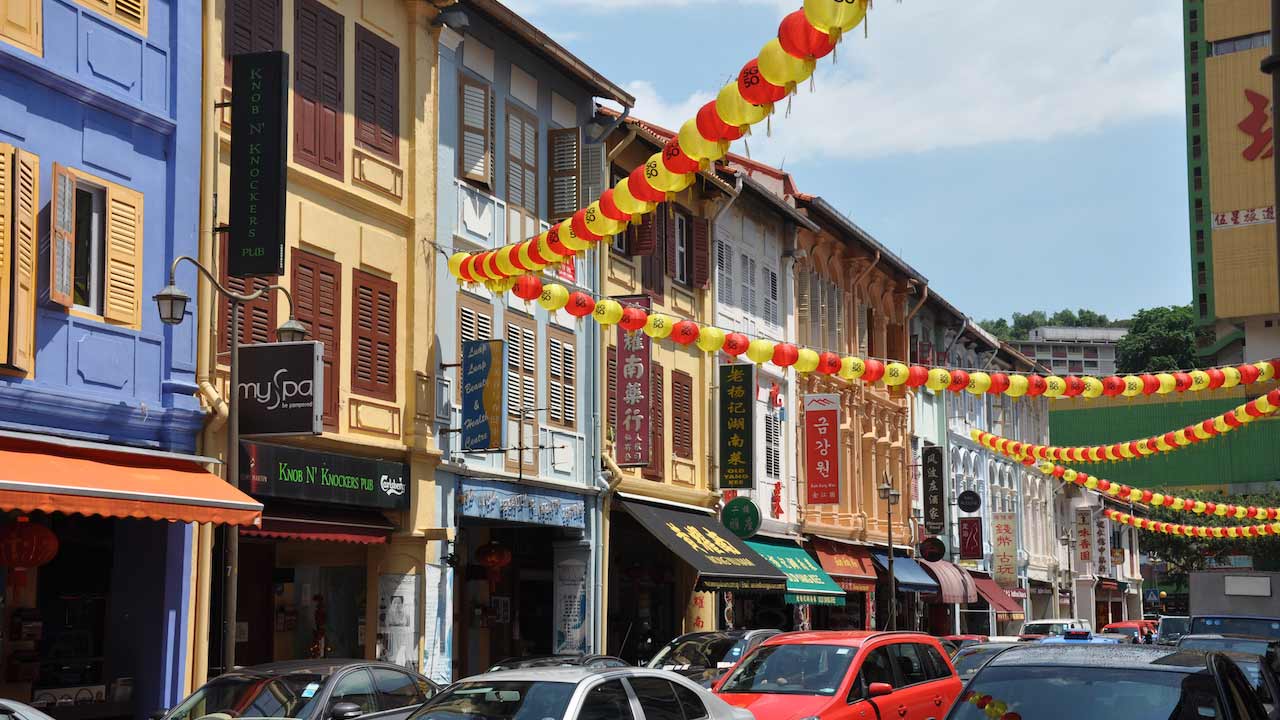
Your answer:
<point x="364" y="527"/>
<point x="83" y="480"/>
<point x="807" y="584"/>
<point x="908" y="574"/>
<point x="722" y="560"/>
<point x="956" y="582"/>
<point x="998" y="599"/>
<point x="849" y="565"/>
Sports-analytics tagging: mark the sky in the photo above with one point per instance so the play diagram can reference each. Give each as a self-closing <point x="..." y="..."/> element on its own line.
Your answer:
<point x="1020" y="155"/>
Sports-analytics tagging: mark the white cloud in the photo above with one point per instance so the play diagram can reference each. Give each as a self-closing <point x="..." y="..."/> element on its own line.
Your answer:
<point x="946" y="74"/>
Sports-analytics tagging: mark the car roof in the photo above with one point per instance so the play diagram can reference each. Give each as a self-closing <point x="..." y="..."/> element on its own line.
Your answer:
<point x="848" y="638"/>
<point x="1126" y="623"/>
<point x="1228" y="636"/>
<point x="325" y="666"/>
<point x="562" y="674"/>
<point x="1117" y="656"/>
<point x="979" y="647"/>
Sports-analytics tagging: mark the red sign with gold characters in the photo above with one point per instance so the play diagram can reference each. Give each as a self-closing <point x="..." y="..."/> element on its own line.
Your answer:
<point x="1004" y="531"/>
<point x="631" y="389"/>
<point x="970" y="538"/>
<point x="1084" y="543"/>
<point x="822" y="449"/>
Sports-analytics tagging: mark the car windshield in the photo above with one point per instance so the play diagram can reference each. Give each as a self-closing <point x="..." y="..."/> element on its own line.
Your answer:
<point x="1244" y="645"/>
<point x="281" y="696"/>
<point x="791" y="670"/>
<point x="1174" y="625"/>
<point x="1045" y="628"/>
<point x="1130" y="631"/>
<point x="505" y="700"/>
<point x="1065" y="693"/>
<point x="1259" y="627"/>
<point x="700" y="651"/>
<point x="968" y="660"/>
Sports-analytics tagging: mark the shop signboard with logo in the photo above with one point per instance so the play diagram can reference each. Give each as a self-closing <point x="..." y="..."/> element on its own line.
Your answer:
<point x="281" y="389"/>
<point x="321" y="477"/>
<point x="483" y="394"/>
<point x="935" y="508"/>
<point x="822" y="449"/>
<point x="631" y="390"/>
<point x="1004" y="558"/>
<point x="737" y="423"/>
<point x="259" y="143"/>
<point x="506" y="501"/>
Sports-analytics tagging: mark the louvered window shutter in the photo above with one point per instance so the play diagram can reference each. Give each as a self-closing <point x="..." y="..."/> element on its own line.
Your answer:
<point x="19" y="205"/>
<point x="377" y="94"/>
<point x="7" y="168"/>
<point x="770" y="279"/>
<point x="373" y="334"/>
<point x="645" y="240"/>
<point x="656" y="469"/>
<point x="257" y="318"/>
<point x="564" y="172"/>
<point x="317" y="304"/>
<point x="670" y="230"/>
<point x="514" y="377"/>
<point x="681" y="414"/>
<point x="560" y="386"/>
<point x="839" y="321"/>
<point x="122" y="271"/>
<point x="724" y="274"/>
<point x="749" y="284"/>
<point x="250" y="26"/>
<point x="475" y="154"/>
<point x="318" y="83"/>
<point x="62" y="244"/>
<point x="804" y="304"/>
<point x="592" y="172"/>
<point x="773" y="445"/>
<point x="701" y="253"/>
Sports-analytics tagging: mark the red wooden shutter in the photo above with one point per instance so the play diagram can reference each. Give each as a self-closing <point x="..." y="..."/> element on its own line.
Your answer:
<point x="257" y="318"/>
<point x="250" y="26"/>
<point x="657" y="425"/>
<point x="318" y="78"/>
<point x="373" y="335"/>
<point x="611" y="379"/>
<point x="377" y="94"/>
<point x="701" y="253"/>
<point x="682" y="414"/>
<point x="643" y="238"/>
<point x="317" y="303"/>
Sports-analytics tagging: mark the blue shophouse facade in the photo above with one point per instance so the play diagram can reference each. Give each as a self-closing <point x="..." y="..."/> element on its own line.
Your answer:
<point x="516" y="109"/>
<point x="101" y="100"/>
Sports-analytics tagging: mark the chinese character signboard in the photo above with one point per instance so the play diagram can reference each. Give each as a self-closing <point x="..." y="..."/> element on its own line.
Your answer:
<point x="822" y="449"/>
<point x="737" y="423"/>
<point x="1084" y="543"/>
<point x="935" y="519"/>
<point x="970" y="538"/>
<point x="1256" y="127"/>
<point x="1238" y="218"/>
<point x="483" y="387"/>
<point x="631" y="389"/>
<point x="1004" y="541"/>
<point x="1102" y="546"/>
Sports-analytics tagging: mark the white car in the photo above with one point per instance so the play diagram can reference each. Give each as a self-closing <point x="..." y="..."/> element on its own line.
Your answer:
<point x="1053" y="628"/>
<point x="575" y="693"/>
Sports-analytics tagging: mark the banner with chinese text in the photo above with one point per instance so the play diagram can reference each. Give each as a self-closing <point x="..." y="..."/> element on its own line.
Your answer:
<point x="737" y="424"/>
<point x="631" y="390"/>
<point x="970" y="538"/>
<point x="822" y="449"/>
<point x="1084" y="543"/>
<point x="1102" y="545"/>
<point x="935" y="506"/>
<point x="1004" y="542"/>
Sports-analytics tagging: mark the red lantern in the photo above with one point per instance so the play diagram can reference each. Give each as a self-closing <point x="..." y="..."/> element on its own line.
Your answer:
<point x="959" y="381"/>
<point x="1146" y="496"/>
<point x="674" y="159"/>
<point x="711" y="127"/>
<point x="489" y="264"/>
<point x="685" y="332"/>
<point x="735" y="344"/>
<point x="755" y="89"/>
<point x="828" y="363"/>
<point x="633" y="319"/>
<point x="1149" y="384"/>
<point x="917" y="375"/>
<point x="579" y="224"/>
<point x="800" y="39"/>
<point x="1035" y="386"/>
<point x="874" y="370"/>
<point x="1112" y="385"/>
<point x="558" y="247"/>
<point x="1216" y="378"/>
<point x="24" y="546"/>
<point x="464" y="270"/>
<point x="534" y="254"/>
<point x="528" y="288"/>
<point x="610" y="208"/>
<point x="1190" y="433"/>
<point x="1074" y="386"/>
<point x="999" y="383"/>
<point x="785" y="355"/>
<point x="1171" y="439"/>
<point x="639" y="186"/>
<point x="1273" y="398"/>
<point x="1104" y="485"/>
<point x="494" y="558"/>
<point x="1231" y="420"/>
<point x="1249" y="374"/>
<point x="580" y="304"/>
<point x="1209" y="427"/>
<point x="1181" y="381"/>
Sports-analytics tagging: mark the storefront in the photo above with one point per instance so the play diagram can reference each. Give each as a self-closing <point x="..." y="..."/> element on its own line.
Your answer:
<point x="1044" y="603"/>
<point x="665" y="561"/>
<point x="956" y="588"/>
<point x="854" y="571"/>
<point x="910" y="582"/>
<point x="1004" y="614"/>
<point x="309" y="583"/>
<point x="1109" y="599"/>
<point x="808" y="587"/>
<point x="96" y="541"/>
<point x="523" y="572"/>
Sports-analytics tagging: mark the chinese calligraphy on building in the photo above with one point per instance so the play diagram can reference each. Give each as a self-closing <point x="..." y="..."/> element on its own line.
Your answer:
<point x="1084" y="543"/>
<point x="1255" y="125"/>
<point x="737" y="425"/>
<point x="822" y="449"/>
<point x="1102" y="546"/>
<point x="1004" y="557"/>
<point x="935" y="520"/>
<point x="631" y="390"/>
<point x="1241" y="218"/>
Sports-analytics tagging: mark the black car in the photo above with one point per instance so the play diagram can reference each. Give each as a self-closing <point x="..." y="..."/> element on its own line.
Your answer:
<point x="1102" y="682"/>
<point x="970" y="658"/>
<point x="310" y="690"/>
<point x="541" y="661"/>
<point x="704" y="656"/>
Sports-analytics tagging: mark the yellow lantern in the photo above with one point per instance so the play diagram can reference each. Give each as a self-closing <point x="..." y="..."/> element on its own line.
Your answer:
<point x="544" y="248"/>
<point x="806" y="361"/>
<point x="1167" y="383"/>
<point x="1114" y="489"/>
<point x="1070" y="475"/>
<point x="1017" y="386"/>
<point x="1199" y="380"/>
<point x="1091" y="483"/>
<point x="734" y="109"/>
<point x="455" y="264"/>
<point x="629" y="203"/>
<point x="1242" y="416"/>
<point x="1157" y="499"/>
<point x="656" y="172"/>
<point x="834" y="16"/>
<point x="697" y="147"/>
<point x="1161" y="445"/>
<point x="1199" y="431"/>
<point x="979" y="383"/>
<point x="1046" y="467"/>
<point x="1221" y="425"/>
<point x="658" y="326"/>
<point x="710" y="339"/>
<point x="600" y="224"/>
<point x="607" y="312"/>
<point x="1198" y="507"/>
<point x="939" y="380"/>
<point x="851" y="368"/>
<point x="760" y="351"/>
<point x="1125" y="452"/>
<point x="553" y="297"/>
<point x="1233" y="532"/>
<point x="502" y="258"/>
<point x="1230" y="377"/>
<point x="1241" y="511"/>
<point x="1266" y="369"/>
<point x="570" y="238"/>
<point x="525" y="256"/>
<point x="1220" y="510"/>
<point x="778" y="67"/>
<point x="1180" y="437"/>
<point x="1054" y="386"/>
<point x="1092" y="387"/>
<point x="896" y="374"/>
<point x="1132" y="386"/>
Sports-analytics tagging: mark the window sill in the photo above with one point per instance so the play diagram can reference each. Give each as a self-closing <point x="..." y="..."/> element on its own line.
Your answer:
<point x="92" y="317"/>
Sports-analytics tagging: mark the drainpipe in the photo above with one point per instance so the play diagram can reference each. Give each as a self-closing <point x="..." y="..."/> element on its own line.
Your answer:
<point x="866" y="272"/>
<point x="607" y="481"/>
<point x="924" y="298"/>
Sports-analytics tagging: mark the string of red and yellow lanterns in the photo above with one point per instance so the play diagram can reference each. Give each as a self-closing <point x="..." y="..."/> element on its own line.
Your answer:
<point x="1208" y="429"/>
<point x="803" y="37"/>
<point x="993" y="708"/>
<point x="1237" y="532"/>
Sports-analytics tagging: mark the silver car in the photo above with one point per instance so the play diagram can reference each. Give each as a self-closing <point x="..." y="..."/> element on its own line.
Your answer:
<point x="575" y="693"/>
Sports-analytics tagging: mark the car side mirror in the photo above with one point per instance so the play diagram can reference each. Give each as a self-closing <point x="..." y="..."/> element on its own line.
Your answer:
<point x="345" y="711"/>
<point x="879" y="689"/>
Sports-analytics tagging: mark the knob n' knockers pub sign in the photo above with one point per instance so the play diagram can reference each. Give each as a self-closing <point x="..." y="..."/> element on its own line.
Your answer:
<point x="259" y="98"/>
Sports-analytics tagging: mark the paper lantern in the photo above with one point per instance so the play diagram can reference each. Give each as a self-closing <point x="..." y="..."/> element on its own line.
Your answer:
<point x="1017" y="386"/>
<point x="736" y="343"/>
<point x="755" y="89"/>
<point x="629" y="203"/>
<point x="1167" y="383"/>
<point x="1267" y="369"/>
<point x="676" y="159"/>
<point x="760" y="351"/>
<point x="528" y="288"/>
<point x="979" y="382"/>
<point x="527" y="252"/>
<point x="779" y="67"/>
<point x="1035" y="386"/>
<point x="785" y="355"/>
<point x="917" y="375"/>
<point x="835" y="16"/>
<point x="1092" y="387"/>
<point x="502" y="258"/>
<point x="873" y="372"/>
<point x="639" y="186"/>
<point x="736" y="110"/>
<point x="1150" y="384"/>
<point x="1112" y="386"/>
<point x="895" y="374"/>
<point x="553" y="297"/>
<point x="1249" y="374"/>
<point x="1216" y="378"/>
<point x="610" y="208"/>
<point x="455" y="263"/>
<point x="852" y="368"/>
<point x="580" y="304"/>
<point x="1054" y="386"/>
<point x="710" y="126"/>
<point x="569" y="237"/>
<point x="1181" y="381"/>
<point x="633" y="319"/>
<point x="599" y="224"/>
<point x="1074" y="386"/>
<point x="801" y="39"/>
<point x="806" y="360"/>
<point x="999" y="383"/>
<point x="711" y="339"/>
<point x="658" y="326"/>
<point x="659" y="177"/>
<point x="607" y="312"/>
<point x="959" y="381"/>
<point x="828" y="363"/>
<point x="550" y="247"/>
<point x="1199" y="380"/>
<point x="684" y="332"/>
<point x="578" y="223"/>
<point x="1132" y="386"/>
<point x="1230" y="377"/>
<point x="939" y="379"/>
<point x="25" y="546"/>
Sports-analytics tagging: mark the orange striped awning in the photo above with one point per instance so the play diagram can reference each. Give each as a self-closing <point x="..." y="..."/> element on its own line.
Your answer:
<point x="92" y="481"/>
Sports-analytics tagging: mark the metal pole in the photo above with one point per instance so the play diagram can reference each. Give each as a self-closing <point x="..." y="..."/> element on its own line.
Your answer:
<point x="893" y="585"/>
<point x="233" y="477"/>
<point x="1269" y="66"/>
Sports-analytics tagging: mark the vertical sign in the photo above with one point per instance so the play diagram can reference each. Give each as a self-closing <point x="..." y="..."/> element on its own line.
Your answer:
<point x="1004" y="558"/>
<point x="822" y="449"/>
<point x="483" y="390"/>
<point x="259" y="97"/>
<point x="1102" y="545"/>
<point x="935" y="519"/>
<point x="281" y="388"/>
<point x="570" y="607"/>
<point x="397" y="641"/>
<point x="737" y="422"/>
<point x="970" y="538"/>
<point x="631" y="392"/>
<point x="1084" y="543"/>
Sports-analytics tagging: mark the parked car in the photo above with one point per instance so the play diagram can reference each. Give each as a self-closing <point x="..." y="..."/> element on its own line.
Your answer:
<point x="1171" y="628"/>
<point x="965" y="640"/>
<point x="1081" y="637"/>
<point x="948" y="647"/>
<point x="1036" y="629"/>
<point x="1130" y="628"/>
<point x="326" y="689"/>
<point x="587" y="661"/>
<point x="969" y="659"/>
<point x="577" y="693"/>
<point x="1038" y="680"/>
<point x="1237" y="643"/>
<point x="704" y="657"/>
<point x="1261" y="673"/>
<point x="843" y="676"/>
<point x="14" y="710"/>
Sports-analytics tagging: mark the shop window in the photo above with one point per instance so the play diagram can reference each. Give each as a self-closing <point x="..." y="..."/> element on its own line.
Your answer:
<point x="251" y="26"/>
<point x="562" y="394"/>
<point x="19" y="204"/>
<point x="475" y="133"/>
<point x="355" y="687"/>
<point x="682" y="414"/>
<point x="606" y="701"/>
<point x="657" y="699"/>
<point x="373" y="336"/>
<point x="377" y="94"/>
<point x="318" y="76"/>
<point x="21" y="25"/>
<point x="395" y="689"/>
<point x="129" y="13"/>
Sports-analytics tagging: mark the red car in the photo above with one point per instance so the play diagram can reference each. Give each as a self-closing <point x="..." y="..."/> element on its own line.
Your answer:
<point x="853" y="675"/>
<point x="1132" y="628"/>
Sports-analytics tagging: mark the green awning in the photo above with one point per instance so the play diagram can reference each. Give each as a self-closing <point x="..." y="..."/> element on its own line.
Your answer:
<point x="807" y="583"/>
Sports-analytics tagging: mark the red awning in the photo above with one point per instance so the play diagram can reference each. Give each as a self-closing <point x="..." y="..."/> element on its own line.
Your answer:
<point x="849" y="565"/>
<point x="998" y="598"/>
<point x="362" y="527"/>
<point x="956" y="582"/>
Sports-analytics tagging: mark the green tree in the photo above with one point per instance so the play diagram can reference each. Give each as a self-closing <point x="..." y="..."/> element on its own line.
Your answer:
<point x="998" y="327"/>
<point x="1020" y="325"/>
<point x="1159" y="338"/>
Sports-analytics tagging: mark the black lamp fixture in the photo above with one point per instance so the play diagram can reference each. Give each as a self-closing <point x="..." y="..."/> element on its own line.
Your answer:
<point x="172" y="303"/>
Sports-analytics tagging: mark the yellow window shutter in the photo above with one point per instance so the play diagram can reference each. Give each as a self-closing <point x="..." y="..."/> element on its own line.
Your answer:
<point x="20" y="22"/>
<point x="26" y="205"/>
<point x="122" y="298"/>
<point x="6" y="249"/>
<point x="62" y="243"/>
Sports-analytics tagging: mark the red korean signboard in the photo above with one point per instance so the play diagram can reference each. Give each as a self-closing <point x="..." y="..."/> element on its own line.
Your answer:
<point x="970" y="538"/>
<point x="631" y="389"/>
<point x="822" y="449"/>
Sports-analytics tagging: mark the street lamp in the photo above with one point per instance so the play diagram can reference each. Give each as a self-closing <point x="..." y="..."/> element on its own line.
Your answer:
<point x="171" y="302"/>
<point x="1066" y="543"/>
<point x="891" y="496"/>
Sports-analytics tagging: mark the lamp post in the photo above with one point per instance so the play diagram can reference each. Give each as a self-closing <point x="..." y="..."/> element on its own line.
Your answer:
<point x="172" y="302"/>
<point x="1066" y="543"/>
<point x="891" y="496"/>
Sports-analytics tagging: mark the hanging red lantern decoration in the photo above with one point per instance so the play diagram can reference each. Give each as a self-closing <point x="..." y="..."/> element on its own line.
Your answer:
<point x="711" y="127"/>
<point x="785" y="354"/>
<point x="674" y="159"/>
<point x="1035" y="386"/>
<point x="25" y="546"/>
<point x="735" y="344"/>
<point x="686" y="331"/>
<point x="1149" y="384"/>
<point x="999" y="383"/>
<point x="494" y="557"/>
<point x="1249" y="374"/>
<point x="755" y="89"/>
<point x="611" y="209"/>
<point x="874" y="370"/>
<point x="639" y="186"/>
<point x="959" y="381"/>
<point x="580" y="304"/>
<point x="633" y="319"/>
<point x="1074" y="386"/>
<point x="1112" y="385"/>
<point x="828" y="363"/>
<point x="800" y="39"/>
<point x="1181" y="381"/>
<point x="1216" y="378"/>
<point x="528" y="288"/>
<point x="916" y="376"/>
<point x="579" y="224"/>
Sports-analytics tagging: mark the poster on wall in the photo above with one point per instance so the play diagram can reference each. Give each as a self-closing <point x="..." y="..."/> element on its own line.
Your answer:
<point x="631" y="393"/>
<point x="436" y="663"/>
<point x="398" y="620"/>
<point x="935" y="517"/>
<point x="571" y="607"/>
<point x="970" y="538"/>
<point x="1004" y="556"/>
<point x="1084" y="543"/>
<point x="737" y="424"/>
<point x="483" y="394"/>
<point x="822" y="449"/>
